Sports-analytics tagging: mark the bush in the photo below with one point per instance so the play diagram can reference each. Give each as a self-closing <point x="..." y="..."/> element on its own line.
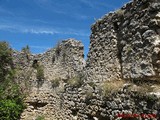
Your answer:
<point x="5" y="59"/>
<point x="40" y="72"/>
<point x="89" y="96"/>
<point x="11" y="99"/>
<point x="10" y="110"/>
<point x="75" y="81"/>
<point x="92" y="84"/>
<point x="40" y="118"/>
<point x="109" y="87"/>
<point x="55" y="82"/>
<point x="58" y="49"/>
<point x="26" y="51"/>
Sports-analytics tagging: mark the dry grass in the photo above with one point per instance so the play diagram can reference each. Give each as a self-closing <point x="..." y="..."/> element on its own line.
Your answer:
<point x="144" y="87"/>
<point x="55" y="82"/>
<point x="75" y="81"/>
<point x="120" y="12"/>
<point x="109" y="87"/>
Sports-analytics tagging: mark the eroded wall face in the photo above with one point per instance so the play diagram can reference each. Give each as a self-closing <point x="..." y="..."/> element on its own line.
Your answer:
<point x="126" y="44"/>
<point x="64" y="61"/>
<point x="140" y="39"/>
<point x="103" y="63"/>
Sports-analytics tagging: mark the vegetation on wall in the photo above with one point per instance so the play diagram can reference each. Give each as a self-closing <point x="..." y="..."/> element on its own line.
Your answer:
<point x="55" y="82"/>
<point x="26" y="51"/>
<point x="40" y="72"/>
<point x="58" y="49"/>
<point x="11" y="99"/>
<point x="6" y="63"/>
<point x="76" y="81"/>
<point x="40" y="69"/>
<point x="40" y="118"/>
<point x="109" y="87"/>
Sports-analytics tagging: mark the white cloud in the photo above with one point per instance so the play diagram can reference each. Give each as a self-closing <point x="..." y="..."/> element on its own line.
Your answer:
<point x="96" y="4"/>
<point x="39" y="47"/>
<point x="41" y="30"/>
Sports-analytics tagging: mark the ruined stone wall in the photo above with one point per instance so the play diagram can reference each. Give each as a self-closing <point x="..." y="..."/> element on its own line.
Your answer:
<point x="125" y="44"/>
<point x="87" y="103"/>
<point x="103" y="63"/>
<point x="64" y="61"/>
<point x="140" y="39"/>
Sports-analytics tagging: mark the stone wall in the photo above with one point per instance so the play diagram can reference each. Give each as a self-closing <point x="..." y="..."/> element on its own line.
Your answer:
<point x="88" y="103"/>
<point x="125" y="44"/>
<point x="64" y="61"/>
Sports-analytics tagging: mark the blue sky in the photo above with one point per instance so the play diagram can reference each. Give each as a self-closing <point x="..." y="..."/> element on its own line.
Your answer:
<point x="41" y="23"/>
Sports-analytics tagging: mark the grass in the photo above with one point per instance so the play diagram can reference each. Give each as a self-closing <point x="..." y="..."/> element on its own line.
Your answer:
<point x="120" y="12"/>
<point x="40" y="118"/>
<point x="75" y="81"/>
<point x="109" y="87"/>
<point x="55" y="82"/>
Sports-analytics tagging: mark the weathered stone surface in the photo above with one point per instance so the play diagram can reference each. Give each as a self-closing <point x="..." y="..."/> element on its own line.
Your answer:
<point x="123" y="43"/>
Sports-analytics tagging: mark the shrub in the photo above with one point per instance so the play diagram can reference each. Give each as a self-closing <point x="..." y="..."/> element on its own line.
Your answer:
<point x="92" y="84"/>
<point x="109" y="87"/>
<point x="11" y="99"/>
<point x="89" y="96"/>
<point x="40" y="118"/>
<point x="26" y="51"/>
<point x="58" y="49"/>
<point x="40" y="72"/>
<point x="55" y="82"/>
<point x="75" y="81"/>
<point x="10" y="110"/>
<point x="5" y="59"/>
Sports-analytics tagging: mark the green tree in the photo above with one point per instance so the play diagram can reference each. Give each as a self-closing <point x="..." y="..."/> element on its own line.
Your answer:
<point x="11" y="99"/>
<point x="26" y="51"/>
<point x="6" y="64"/>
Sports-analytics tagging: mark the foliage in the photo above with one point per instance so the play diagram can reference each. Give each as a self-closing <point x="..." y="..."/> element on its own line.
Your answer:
<point x="76" y="81"/>
<point x="58" y="49"/>
<point x="10" y="109"/>
<point x="6" y="60"/>
<point x="89" y="96"/>
<point x="109" y="87"/>
<point x="40" y="72"/>
<point x="55" y="82"/>
<point x="92" y="84"/>
<point x="11" y="99"/>
<point x="40" y="118"/>
<point x="26" y="49"/>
